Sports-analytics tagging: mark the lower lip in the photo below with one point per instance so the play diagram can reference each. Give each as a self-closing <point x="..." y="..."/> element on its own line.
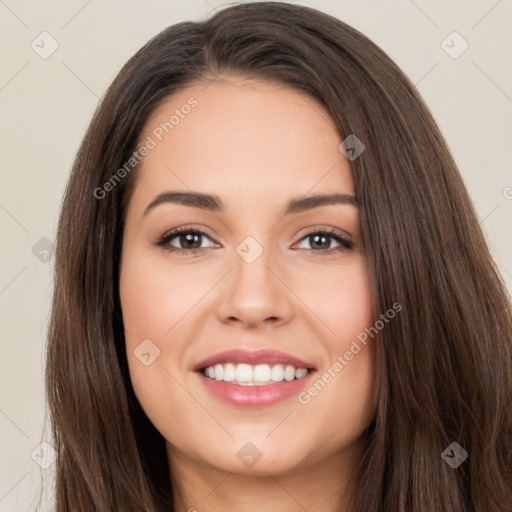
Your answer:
<point x="254" y="396"/>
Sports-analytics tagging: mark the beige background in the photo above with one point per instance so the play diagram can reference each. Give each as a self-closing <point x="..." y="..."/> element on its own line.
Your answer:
<point x="46" y="105"/>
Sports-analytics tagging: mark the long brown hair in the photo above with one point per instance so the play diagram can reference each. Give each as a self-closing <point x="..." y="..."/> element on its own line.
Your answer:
<point x="444" y="365"/>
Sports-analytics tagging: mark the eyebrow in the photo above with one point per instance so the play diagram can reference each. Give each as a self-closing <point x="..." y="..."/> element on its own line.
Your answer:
<point x="213" y="202"/>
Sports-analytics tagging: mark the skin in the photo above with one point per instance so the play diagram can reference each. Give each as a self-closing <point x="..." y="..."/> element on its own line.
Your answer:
<point x="255" y="145"/>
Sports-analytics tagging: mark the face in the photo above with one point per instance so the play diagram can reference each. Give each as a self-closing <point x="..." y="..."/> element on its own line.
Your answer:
<point x="279" y="282"/>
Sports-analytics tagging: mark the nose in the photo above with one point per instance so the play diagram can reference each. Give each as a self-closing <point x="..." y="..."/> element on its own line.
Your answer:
<point x="254" y="294"/>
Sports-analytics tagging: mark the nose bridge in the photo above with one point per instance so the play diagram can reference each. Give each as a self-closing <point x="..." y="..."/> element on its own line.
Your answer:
<point x="253" y="292"/>
<point x="253" y="261"/>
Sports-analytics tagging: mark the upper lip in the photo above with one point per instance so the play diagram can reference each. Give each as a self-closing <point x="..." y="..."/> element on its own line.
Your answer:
<point x="253" y="357"/>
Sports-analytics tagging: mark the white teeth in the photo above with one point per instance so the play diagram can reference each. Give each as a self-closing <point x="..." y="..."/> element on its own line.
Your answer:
<point x="219" y="372"/>
<point x="262" y="373"/>
<point x="277" y="372"/>
<point x="243" y="373"/>
<point x="258" y="375"/>
<point x="229" y="372"/>
<point x="300" y="372"/>
<point x="289" y="373"/>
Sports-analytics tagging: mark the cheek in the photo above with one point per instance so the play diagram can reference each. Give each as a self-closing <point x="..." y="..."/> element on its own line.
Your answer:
<point x="158" y="302"/>
<point x="342" y="300"/>
<point x="155" y="296"/>
<point x="342" y="393"/>
<point x="146" y="310"/>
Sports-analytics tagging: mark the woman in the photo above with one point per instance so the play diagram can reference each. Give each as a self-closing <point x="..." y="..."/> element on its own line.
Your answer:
<point x="342" y="341"/>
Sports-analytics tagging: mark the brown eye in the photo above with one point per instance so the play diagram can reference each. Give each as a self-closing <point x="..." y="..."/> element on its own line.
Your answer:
<point x="188" y="240"/>
<point x="322" y="242"/>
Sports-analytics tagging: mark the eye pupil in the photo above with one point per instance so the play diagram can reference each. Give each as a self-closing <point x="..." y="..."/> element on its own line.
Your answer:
<point x="325" y="244"/>
<point x="190" y="238"/>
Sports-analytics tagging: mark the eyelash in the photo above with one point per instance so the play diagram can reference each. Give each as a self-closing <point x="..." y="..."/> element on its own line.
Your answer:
<point x="163" y="241"/>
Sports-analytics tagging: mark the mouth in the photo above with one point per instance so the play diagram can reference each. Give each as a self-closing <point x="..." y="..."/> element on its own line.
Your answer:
<point x="253" y="378"/>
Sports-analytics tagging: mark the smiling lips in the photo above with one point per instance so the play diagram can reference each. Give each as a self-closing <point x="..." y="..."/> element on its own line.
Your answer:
<point x="253" y="378"/>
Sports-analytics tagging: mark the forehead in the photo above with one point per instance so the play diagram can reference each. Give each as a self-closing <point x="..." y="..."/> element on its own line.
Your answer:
<point x="236" y="137"/>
